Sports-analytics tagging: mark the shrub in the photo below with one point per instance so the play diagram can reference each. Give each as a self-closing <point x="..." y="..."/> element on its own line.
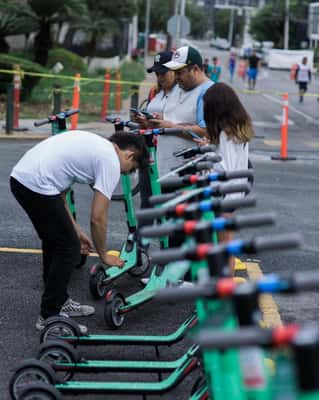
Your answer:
<point x="71" y="62"/>
<point x="7" y="61"/>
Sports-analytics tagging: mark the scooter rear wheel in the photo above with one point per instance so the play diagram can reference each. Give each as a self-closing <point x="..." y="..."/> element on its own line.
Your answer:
<point x="57" y="327"/>
<point x="58" y="351"/>
<point x="30" y="371"/>
<point x="112" y="316"/>
<point x="40" y="391"/>
<point x="142" y="265"/>
<point x="97" y="287"/>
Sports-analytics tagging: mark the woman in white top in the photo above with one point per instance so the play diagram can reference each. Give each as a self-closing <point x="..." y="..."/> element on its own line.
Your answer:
<point x="229" y="127"/>
<point x="167" y="87"/>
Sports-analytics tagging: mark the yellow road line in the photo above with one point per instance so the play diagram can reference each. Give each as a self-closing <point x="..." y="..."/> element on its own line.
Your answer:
<point x="273" y="143"/>
<point x="29" y="251"/>
<point x="313" y="144"/>
<point x="271" y="316"/>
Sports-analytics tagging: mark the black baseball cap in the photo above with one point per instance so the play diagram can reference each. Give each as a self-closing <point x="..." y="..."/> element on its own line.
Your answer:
<point x="160" y="59"/>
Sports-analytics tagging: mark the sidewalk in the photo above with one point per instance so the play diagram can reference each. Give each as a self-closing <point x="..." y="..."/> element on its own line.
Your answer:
<point x="101" y="128"/>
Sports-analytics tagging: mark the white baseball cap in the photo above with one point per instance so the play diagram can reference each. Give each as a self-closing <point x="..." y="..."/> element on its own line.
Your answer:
<point x="184" y="56"/>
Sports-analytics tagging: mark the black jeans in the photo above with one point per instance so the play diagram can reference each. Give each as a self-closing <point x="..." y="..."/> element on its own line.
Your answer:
<point x="60" y="243"/>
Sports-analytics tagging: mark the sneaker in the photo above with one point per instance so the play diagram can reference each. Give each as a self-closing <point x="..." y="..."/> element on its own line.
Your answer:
<point x="40" y="324"/>
<point x="72" y="308"/>
<point x="145" y="281"/>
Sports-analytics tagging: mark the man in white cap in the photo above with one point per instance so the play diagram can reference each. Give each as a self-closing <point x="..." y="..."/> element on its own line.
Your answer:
<point x="185" y="108"/>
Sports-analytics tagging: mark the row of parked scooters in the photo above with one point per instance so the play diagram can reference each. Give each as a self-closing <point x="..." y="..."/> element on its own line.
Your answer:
<point x="237" y="358"/>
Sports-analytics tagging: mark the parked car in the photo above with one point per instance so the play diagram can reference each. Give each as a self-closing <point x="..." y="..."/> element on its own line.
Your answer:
<point x="220" y="43"/>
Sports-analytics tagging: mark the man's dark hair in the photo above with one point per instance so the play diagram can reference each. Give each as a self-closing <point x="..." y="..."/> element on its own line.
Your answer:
<point x="134" y="142"/>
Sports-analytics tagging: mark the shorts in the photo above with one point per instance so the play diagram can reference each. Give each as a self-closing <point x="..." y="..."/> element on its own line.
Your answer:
<point x="252" y="73"/>
<point x="303" y="86"/>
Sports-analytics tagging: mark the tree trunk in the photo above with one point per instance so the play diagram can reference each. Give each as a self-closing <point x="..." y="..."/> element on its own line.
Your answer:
<point x="4" y="47"/>
<point x="43" y="43"/>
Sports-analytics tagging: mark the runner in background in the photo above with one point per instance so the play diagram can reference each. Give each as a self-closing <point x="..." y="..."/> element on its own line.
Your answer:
<point x="253" y="67"/>
<point x="303" y="77"/>
<point x="206" y="67"/>
<point x="214" y="70"/>
<point x="232" y="66"/>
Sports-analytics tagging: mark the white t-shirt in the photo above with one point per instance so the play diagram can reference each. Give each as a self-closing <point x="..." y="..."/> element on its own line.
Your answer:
<point x="158" y="103"/>
<point x="234" y="158"/>
<point x="182" y="107"/>
<point x="54" y="164"/>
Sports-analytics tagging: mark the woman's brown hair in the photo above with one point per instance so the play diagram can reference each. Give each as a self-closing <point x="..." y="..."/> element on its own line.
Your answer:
<point x="223" y="111"/>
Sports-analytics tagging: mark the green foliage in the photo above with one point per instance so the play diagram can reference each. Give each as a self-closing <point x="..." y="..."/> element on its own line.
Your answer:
<point x="71" y="62"/>
<point x="45" y="9"/>
<point x="8" y="61"/>
<point x="268" y="24"/>
<point x="132" y="71"/>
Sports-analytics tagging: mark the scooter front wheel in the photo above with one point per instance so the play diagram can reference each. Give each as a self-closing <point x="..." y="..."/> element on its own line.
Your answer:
<point x="27" y="372"/>
<point x="112" y="316"/>
<point x="97" y="276"/>
<point x="40" y="391"/>
<point x="57" y="351"/>
<point x="142" y="265"/>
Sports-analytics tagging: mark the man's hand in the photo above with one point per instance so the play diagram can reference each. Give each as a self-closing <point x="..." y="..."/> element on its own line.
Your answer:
<point x="160" y="123"/>
<point x="111" y="260"/>
<point x="86" y="243"/>
<point x="203" y="141"/>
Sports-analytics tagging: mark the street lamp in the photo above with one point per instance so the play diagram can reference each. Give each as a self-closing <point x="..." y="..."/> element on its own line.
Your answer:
<point x="286" y="27"/>
<point x="147" y="28"/>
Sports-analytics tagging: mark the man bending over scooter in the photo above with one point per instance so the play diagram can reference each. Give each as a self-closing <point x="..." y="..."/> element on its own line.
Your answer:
<point x="40" y="181"/>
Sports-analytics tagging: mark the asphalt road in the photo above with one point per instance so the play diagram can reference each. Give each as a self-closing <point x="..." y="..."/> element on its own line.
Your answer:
<point x="288" y="188"/>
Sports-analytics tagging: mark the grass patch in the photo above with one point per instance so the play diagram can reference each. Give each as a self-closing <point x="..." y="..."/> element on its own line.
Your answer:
<point x="91" y="94"/>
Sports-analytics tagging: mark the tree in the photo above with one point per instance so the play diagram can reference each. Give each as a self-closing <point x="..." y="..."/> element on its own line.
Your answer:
<point x="11" y="23"/>
<point x="40" y="17"/>
<point x="268" y="24"/>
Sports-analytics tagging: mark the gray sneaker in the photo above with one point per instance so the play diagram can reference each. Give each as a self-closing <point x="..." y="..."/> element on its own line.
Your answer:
<point x="72" y="308"/>
<point x="40" y="325"/>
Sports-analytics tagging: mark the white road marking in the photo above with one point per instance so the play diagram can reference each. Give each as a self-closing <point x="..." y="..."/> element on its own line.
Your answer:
<point x="309" y="118"/>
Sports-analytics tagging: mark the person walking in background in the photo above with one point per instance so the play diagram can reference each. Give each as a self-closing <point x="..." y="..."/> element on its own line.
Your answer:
<point x="231" y="66"/>
<point x="214" y="70"/>
<point x="303" y="77"/>
<point x="253" y="67"/>
<point x="206" y="67"/>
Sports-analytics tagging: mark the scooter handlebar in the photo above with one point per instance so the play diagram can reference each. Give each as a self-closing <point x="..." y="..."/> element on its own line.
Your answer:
<point x="192" y="151"/>
<point x="305" y="281"/>
<point x="158" y="230"/>
<point x="150" y="214"/>
<point x="228" y="175"/>
<point x="246" y="221"/>
<point x="61" y="115"/>
<point x="167" y="255"/>
<point x="239" y="338"/>
<point x="162" y="198"/>
<point x="233" y="188"/>
<point x="42" y="122"/>
<point x="279" y="241"/>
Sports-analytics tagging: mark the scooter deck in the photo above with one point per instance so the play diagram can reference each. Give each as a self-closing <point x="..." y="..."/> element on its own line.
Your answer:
<point x="166" y="384"/>
<point x="130" y="258"/>
<point x="171" y="274"/>
<point x="125" y="366"/>
<point x="144" y="340"/>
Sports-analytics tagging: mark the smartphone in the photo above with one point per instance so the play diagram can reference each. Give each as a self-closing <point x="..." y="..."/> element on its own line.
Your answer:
<point x="147" y="115"/>
<point x="135" y="111"/>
